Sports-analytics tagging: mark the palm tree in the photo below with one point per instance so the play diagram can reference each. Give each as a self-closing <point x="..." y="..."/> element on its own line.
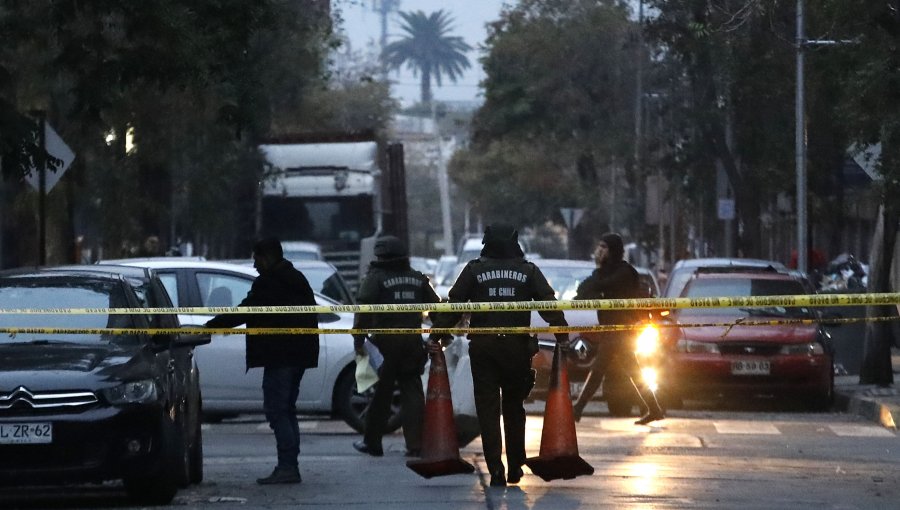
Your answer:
<point x="428" y="50"/>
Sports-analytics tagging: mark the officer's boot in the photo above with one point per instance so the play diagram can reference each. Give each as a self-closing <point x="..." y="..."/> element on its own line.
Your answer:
<point x="654" y="411"/>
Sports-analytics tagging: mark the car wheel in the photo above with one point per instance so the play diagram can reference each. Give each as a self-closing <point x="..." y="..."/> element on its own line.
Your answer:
<point x="352" y="406"/>
<point x="670" y="400"/>
<point x="467" y="428"/>
<point x="159" y="485"/>
<point x="620" y="406"/>
<point x="620" y="396"/>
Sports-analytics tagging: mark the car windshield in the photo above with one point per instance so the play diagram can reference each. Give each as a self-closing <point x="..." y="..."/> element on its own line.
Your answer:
<point x="64" y="294"/>
<point x="301" y="255"/>
<point x="742" y="286"/>
<point x="328" y="282"/>
<point x="565" y="279"/>
<point x="444" y="270"/>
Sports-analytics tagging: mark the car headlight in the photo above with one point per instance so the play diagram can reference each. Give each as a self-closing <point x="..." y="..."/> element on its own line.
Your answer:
<point x="811" y="349"/>
<point x="647" y="341"/>
<point x="135" y="392"/>
<point x="651" y="378"/>
<point x="693" y="347"/>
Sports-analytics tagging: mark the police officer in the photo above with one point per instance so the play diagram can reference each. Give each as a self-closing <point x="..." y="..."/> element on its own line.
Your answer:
<point x="501" y="364"/>
<point x="391" y="280"/>
<point x="614" y="278"/>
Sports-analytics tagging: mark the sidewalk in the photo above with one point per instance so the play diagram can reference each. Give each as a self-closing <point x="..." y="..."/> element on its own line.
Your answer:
<point x="881" y="405"/>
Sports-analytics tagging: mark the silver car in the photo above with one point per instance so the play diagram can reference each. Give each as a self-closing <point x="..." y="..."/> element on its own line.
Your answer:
<point x="227" y="387"/>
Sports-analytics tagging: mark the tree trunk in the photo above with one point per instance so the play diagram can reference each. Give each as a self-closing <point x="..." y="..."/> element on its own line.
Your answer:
<point x="425" y="86"/>
<point x="876" y="365"/>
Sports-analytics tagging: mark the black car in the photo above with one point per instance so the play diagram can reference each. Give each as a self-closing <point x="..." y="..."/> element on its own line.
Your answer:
<point x="96" y="406"/>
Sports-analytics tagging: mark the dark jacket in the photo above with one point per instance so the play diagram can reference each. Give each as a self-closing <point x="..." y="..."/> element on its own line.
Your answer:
<point x="283" y="286"/>
<point x="489" y="279"/>
<point x="616" y="279"/>
<point x="393" y="281"/>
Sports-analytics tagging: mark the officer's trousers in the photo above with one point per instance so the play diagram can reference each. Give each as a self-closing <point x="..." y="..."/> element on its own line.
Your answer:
<point x="402" y="367"/>
<point x="502" y="377"/>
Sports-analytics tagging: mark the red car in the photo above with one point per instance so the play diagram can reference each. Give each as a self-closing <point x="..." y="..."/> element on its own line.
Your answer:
<point x="784" y="359"/>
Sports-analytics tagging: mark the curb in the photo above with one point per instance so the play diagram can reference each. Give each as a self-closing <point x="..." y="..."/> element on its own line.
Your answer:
<point x="886" y="414"/>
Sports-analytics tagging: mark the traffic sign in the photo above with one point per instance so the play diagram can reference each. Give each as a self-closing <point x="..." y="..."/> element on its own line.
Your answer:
<point x="571" y="216"/>
<point x="726" y="209"/>
<point x="57" y="148"/>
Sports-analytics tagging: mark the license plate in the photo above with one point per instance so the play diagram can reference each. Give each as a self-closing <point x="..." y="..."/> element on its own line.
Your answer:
<point x="750" y="367"/>
<point x="26" y="433"/>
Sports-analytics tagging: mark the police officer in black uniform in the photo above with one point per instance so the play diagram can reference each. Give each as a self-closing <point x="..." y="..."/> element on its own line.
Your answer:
<point x="501" y="364"/>
<point x="391" y="280"/>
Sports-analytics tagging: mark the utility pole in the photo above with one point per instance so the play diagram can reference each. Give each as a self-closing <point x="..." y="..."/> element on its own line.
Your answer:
<point x="384" y="8"/>
<point x="800" y="146"/>
<point x="800" y="136"/>
<point x="41" y="167"/>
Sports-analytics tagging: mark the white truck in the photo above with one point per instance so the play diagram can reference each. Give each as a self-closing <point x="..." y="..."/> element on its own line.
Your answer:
<point x="337" y="191"/>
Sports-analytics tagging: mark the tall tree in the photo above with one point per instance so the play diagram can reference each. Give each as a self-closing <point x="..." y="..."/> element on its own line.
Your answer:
<point x="870" y="71"/>
<point x="558" y="116"/>
<point x="428" y="49"/>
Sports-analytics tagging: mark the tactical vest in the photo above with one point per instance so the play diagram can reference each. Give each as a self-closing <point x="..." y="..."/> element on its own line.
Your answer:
<point x="501" y="280"/>
<point x="397" y="287"/>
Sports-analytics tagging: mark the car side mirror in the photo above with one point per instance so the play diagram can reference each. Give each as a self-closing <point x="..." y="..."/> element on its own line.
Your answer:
<point x="191" y="339"/>
<point x="327" y="317"/>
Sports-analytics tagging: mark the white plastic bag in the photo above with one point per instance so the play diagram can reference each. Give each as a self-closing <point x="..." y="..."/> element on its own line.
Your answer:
<point x="366" y="375"/>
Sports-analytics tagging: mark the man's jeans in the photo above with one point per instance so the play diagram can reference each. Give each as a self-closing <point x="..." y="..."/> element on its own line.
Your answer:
<point x="281" y="386"/>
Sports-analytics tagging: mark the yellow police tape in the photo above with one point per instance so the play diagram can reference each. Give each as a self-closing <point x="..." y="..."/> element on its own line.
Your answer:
<point x="892" y="298"/>
<point x="425" y="331"/>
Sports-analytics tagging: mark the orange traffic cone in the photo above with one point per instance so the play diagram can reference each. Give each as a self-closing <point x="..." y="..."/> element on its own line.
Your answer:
<point x="440" y="446"/>
<point x="559" y="447"/>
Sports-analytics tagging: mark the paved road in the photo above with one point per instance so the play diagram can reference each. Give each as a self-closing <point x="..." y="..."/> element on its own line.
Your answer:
<point x="702" y="457"/>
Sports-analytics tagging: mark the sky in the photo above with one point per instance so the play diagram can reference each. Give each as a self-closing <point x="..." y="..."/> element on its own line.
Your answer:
<point x="362" y="25"/>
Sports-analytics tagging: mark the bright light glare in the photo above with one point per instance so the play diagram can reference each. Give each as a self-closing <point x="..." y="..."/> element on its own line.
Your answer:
<point x="110" y="137"/>
<point x="129" y="139"/>
<point x="651" y="378"/>
<point x="645" y="479"/>
<point x="647" y="341"/>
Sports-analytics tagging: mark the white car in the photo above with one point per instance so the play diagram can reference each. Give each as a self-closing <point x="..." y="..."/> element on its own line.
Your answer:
<point x="227" y="387"/>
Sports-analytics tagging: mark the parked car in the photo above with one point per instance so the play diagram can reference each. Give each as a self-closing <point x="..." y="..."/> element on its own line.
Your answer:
<point x="92" y="407"/>
<point x="425" y="265"/>
<point x="228" y="388"/>
<point x="470" y="247"/>
<point x="565" y="276"/>
<point x="683" y="269"/>
<point x="323" y="277"/>
<point x="152" y="294"/>
<point x="444" y="269"/>
<point x="301" y="250"/>
<point x="747" y="360"/>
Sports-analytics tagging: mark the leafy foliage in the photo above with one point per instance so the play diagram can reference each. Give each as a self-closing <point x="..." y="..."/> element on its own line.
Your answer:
<point x="558" y="111"/>
<point x="197" y="82"/>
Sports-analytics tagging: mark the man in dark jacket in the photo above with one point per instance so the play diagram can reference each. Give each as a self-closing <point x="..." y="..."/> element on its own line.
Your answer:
<point x="614" y="279"/>
<point x="283" y="358"/>
<point x="391" y="280"/>
<point x="501" y="364"/>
